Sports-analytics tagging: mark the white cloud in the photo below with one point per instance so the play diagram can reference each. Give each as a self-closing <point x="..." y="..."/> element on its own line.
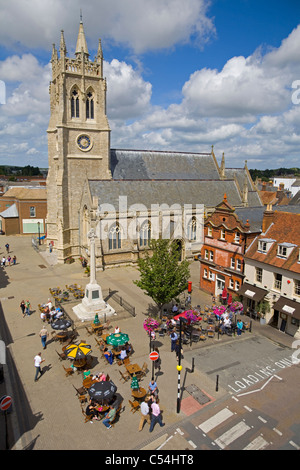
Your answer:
<point x="141" y="24"/>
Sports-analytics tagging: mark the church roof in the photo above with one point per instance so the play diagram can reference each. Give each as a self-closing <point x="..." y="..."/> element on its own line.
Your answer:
<point x="158" y="165"/>
<point x="147" y="192"/>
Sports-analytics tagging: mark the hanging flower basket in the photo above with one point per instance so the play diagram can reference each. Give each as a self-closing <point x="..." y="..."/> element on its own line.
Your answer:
<point x="219" y="310"/>
<point x="150" y="324"/>
<point x="236" y="307"/>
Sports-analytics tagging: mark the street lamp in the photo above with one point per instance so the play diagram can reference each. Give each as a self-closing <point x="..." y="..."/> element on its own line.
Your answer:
<point x="179" y="367"/>
<point x="38" y="224"/>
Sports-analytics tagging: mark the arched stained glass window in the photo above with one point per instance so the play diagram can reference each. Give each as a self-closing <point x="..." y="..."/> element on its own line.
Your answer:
<point x="75" y="104"/>
<point x="192" y="229"/>
<point x="145" y="234"/>
<point x="114" y="237"/>
<point x="89" y="105"/>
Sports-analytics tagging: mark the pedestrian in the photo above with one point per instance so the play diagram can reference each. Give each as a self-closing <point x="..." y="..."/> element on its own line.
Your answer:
<point x="178" y="350"/>
<point x="156" y="415"/>
<point x="3" y="261"/>
<point x="44" y="335"/>
<point x="145" y="413"/>
<point x="14" y="259"/>
<point x="37" y="363"/>
<point x="9" y="260"/>
<point x="174" y="338"/>
<point x="7" y="247"/>
<point x="152" y="388"/>
<point x="27" y="308"/>
<point x="239" y="327"/>
<point x="157" y="363"/>
<point x="23" y="306"/>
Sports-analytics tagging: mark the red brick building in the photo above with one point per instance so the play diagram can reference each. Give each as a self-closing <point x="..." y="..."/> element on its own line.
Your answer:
<point x="23" y="210"/>
<point x="222" y="254"/>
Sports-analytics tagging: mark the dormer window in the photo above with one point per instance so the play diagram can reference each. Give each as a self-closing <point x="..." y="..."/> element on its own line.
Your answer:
<point x="209" y="231"/>
<point x="282" y="251"/>
<point x="222" y="234"/>
<point x="264" y="244"/>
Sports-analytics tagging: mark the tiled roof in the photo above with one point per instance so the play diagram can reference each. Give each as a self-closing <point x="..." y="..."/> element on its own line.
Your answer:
<point x="26" y="193"/>
<point x="285" y="228"/>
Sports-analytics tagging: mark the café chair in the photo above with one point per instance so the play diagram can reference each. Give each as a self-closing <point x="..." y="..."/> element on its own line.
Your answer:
<point x="81" y="394"/>
<point x="125" y="376"/>
<point x="62" y="356"/>
<point x="134" y="405"/>
<point x="68" y="371"/>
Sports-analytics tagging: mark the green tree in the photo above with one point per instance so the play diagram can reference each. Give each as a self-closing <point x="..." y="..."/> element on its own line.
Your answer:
<point x="162" y="276"/>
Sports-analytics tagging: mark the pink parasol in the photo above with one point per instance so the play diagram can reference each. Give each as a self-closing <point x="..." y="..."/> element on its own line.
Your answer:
<point x="188" y="315"/>
<point x="224" y="293"/>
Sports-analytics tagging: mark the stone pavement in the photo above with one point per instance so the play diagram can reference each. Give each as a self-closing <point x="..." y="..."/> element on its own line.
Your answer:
<point x="46" y="415"/>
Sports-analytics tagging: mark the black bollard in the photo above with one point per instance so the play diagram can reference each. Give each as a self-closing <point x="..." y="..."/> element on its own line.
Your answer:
<point x="217" y="383"/>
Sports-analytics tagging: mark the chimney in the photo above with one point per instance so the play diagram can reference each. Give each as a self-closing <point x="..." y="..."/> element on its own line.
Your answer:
<point x="267" y="218"/>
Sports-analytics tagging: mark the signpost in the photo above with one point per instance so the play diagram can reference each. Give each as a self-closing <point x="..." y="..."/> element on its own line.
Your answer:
<point x="153" y="356"/>
<point x="5" y="404"/>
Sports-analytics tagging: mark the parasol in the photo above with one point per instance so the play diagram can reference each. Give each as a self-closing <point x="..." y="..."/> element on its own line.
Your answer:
<point x="224" y="293"/>
<point x="102" y="390"/>
<point x="187" y="315"/>
<point x="61" y="324"/>
<point x="117" y="339"/>
<point x="78" y="351"/>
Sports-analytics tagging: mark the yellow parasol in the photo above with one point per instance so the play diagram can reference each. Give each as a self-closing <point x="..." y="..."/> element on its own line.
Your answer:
<point x="78" y="351"/>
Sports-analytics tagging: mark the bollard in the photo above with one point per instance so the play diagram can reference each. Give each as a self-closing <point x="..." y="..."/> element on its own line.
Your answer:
<point x="217" y="383"/>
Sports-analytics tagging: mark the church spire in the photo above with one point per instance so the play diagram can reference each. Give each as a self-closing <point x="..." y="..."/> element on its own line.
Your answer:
<point x="62" y="47"/>
<point x="81" y="41"/>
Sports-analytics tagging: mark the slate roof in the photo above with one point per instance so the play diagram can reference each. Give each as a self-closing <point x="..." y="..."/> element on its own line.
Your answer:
<point x="255" y="214"/>
<point x="157" y="165"/>
<point x="10" y="212"/>
<point x="149" y="192"/>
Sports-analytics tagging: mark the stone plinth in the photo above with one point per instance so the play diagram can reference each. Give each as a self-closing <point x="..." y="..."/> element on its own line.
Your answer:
<point x="93" y="302"/>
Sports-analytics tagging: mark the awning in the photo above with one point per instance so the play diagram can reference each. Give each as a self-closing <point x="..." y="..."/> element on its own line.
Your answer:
<point x="290" y="307"/>
<point x="252" y="292"/>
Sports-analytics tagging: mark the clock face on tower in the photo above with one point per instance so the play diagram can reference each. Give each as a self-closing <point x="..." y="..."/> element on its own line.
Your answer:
<point x="84" y="142"/>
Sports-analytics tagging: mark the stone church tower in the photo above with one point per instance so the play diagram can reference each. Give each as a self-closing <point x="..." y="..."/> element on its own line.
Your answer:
<point x="78" y="140"/>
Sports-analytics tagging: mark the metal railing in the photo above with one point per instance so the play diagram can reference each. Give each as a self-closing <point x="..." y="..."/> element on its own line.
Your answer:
<point x="123" y="303"/>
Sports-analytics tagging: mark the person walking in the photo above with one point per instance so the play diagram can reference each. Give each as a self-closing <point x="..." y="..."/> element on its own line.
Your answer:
<point x="44" y="335"/>
<point x="174" y="338"/>
<point x="27" y="308"/>
<point x="156" y="415"/>
<point x="145" y="413"/>
<point x="37" y="363"/>
<point x="7" y="247"/>
<point x="23" y="306"/>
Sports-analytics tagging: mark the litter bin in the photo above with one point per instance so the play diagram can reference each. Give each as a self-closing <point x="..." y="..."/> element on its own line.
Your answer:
<point x="189" y="287"/>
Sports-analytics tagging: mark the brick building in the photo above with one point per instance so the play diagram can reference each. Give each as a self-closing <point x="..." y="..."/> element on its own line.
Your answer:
<point x="23" y="210"/>
<point x="222" y="256"/>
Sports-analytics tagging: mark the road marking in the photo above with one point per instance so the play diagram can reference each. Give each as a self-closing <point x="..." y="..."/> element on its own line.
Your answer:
<point x="192" y="444"/>
<point x="232" y="434"/>
<point x="262" y="419"/>
<point x="179" y="431"/>
<point x="247" y="408"/>
<point x="294" y="445"/>
<point x="215" y="420"/>
<point x="258" y="443"/>
<point x="278" y="432"/>
<point x="259" y="389"/>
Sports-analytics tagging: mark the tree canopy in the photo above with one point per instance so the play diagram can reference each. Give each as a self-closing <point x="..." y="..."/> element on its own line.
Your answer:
<point x="162" y="275"/>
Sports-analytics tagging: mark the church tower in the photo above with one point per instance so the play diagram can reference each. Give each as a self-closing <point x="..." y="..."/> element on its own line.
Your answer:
<point x="78" y="139"/>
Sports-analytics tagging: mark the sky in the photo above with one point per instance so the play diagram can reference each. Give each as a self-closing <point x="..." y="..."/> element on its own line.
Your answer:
<point x="181" y="75"/>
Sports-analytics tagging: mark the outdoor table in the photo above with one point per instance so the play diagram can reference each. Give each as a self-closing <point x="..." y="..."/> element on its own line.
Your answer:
<point x="133" y="369"/>
<point x="79" y="363"/>
<point x="139" y="394"/>
<point x="88" y="382"/>
<point x="104" y="336"/>
<point x="102" y="408"/>
<point x="96" y="328"/>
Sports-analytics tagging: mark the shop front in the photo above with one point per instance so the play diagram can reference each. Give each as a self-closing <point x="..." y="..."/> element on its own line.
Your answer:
<point x="287" y="316"/>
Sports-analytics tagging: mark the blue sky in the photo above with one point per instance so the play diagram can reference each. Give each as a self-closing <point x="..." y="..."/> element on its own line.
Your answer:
<point x="195" y="73"/>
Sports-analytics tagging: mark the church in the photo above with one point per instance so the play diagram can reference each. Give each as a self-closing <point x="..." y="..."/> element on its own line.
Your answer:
<point x="127" y="196"/>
